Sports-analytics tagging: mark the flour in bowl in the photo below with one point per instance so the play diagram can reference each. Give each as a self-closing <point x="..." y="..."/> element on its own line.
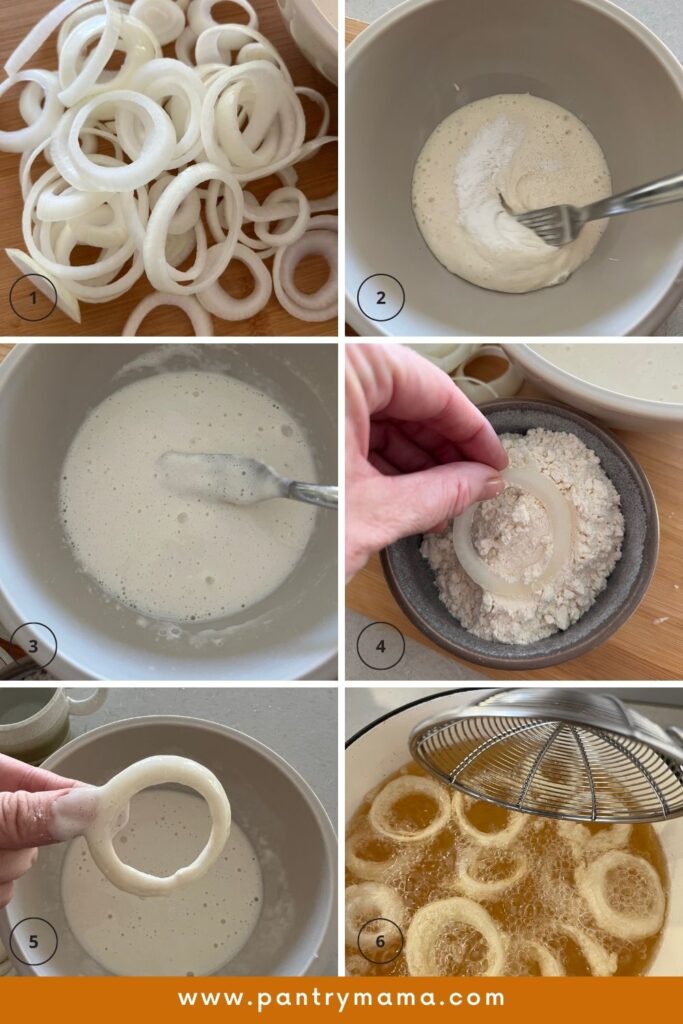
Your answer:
<point x="497" y="157"/>
<point x="512" y="533"/>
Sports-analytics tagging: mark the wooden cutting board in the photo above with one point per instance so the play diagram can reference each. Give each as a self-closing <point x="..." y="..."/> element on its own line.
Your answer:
<point x="318" y="177"/>
<point x="645" y="647"/>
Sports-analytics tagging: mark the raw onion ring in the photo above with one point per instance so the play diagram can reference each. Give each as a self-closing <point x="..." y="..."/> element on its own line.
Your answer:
<point x="560" y="514"/>
<point x="218" y="301"/>
<point x="197" y="315"/>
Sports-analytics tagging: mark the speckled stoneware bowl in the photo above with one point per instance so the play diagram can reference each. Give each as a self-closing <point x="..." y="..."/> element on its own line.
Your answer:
<point x="412" y="582"/>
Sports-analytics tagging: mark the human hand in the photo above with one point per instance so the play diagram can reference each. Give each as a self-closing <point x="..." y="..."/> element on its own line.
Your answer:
<point x="36" y="808"/>
<point x="418" y="452"/>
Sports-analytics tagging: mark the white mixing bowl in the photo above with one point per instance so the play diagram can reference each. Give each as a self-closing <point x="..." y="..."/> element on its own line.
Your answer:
<point x="46" y="391"/>
<point x="270" y="802"/>
<point x="382" y="748"/>
<point x="415" y="65"/>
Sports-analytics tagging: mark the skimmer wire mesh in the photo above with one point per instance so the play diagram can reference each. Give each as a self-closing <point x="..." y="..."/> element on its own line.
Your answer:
<point x="559" y="768"/>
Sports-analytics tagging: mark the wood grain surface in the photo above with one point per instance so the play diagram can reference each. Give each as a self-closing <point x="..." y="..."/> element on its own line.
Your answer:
<point x="318" y="177"/>
<point x="645" y="648"/>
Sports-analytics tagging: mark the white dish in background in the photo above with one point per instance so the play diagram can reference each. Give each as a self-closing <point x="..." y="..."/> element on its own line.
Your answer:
<point x="313" y="25"/>
<point x="609" y="405"/>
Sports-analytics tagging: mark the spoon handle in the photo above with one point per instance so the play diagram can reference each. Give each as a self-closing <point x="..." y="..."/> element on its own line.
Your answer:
<point x="314" y="494"/>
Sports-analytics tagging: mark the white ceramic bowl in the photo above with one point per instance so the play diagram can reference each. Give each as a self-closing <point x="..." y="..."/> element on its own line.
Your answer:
<point x="270" y="801"/>
<point x="612" y="408"/>
<point x="415" y="65"/>
<point x="382" y="747"/>
<point x="312" y="25"/>
<point x="46" y="391"/>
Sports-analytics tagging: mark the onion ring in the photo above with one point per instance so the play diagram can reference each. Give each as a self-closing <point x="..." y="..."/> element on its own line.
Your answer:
<point x="586" y="844"/>
<point x="368" y="901"/>
<point x="218" y="301"/>
<point x="199" y="318"/>
<point x="431" y="920"/>
<point x="503" y="837"/>
<point x="379" y="814"/>
<point x="114" y="798"/>
<point x="370" y="870"/>
<point x="477" y="888"/>
<point x="591" y="881"/>
<point x="549" y="965"/>
<point x="560" y="513"/>
<point x="601" y="963"/>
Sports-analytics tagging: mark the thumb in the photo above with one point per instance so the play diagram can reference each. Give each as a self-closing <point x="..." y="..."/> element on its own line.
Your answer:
<point x="415" y="502"/>
<point x="37" y="819"/>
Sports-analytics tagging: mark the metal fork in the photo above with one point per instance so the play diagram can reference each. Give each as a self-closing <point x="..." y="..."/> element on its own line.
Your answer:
<point x="558" y="225"/>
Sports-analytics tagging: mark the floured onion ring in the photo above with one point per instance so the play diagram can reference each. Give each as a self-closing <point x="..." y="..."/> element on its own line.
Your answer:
<point x="538" y="952"/>
<point x="559" y="512"/>
<point x="503" y="837"/>
<point x="379" y="814"/>
<point x="601" y="963"/>
<point x="592" y="883"/>
<point x="367" y="902"/>
<point x="114" y="798"/>
<point x="372" y="870"/>
<point x="435" y="918"/>
<point x="586" y="844"/>
<point x="478" y="888"/>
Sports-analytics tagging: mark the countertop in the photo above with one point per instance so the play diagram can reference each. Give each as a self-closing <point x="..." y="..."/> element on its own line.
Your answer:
<point x="663" y="17"/>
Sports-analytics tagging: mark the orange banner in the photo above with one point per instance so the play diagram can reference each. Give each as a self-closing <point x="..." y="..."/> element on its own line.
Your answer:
<point x="551" y="1000"/>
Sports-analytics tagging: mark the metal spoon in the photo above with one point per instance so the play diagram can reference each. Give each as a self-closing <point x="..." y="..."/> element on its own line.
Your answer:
<point x="238" y="480"/>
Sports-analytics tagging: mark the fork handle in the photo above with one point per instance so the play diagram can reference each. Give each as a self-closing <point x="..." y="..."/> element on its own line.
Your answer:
<point x="656" y="193"/>
<point x="314" y="494"/>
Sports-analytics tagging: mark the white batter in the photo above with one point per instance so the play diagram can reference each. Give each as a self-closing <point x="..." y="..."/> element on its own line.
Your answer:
<point x="495" y="157"/>
<point x="180" y="557"/>
<point x="639" y="370"/>
<point x="194" y="931"/>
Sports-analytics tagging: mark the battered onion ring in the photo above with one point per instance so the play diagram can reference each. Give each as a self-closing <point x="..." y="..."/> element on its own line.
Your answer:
<point x="425" y="927"/>
<point x="368" y="901"/>
<point x="504" y="836"/>
<point x="481" y="890"/>
<point x="114" y="798"/>
<point x="548" y="963"/>
<point x="590" y="881"/>
<point x="586" y="844"/>
<point x="379" y="813"/>
<point x="371" y="870"/>
<point x="601" y="963"/>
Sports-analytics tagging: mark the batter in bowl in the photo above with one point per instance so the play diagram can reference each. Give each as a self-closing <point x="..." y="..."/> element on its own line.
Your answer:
<point x="172" y="556"/>
<point x="494" y="158"/>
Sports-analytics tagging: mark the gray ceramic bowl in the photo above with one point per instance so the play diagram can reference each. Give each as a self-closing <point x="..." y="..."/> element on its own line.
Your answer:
<point x="412" y="581"/>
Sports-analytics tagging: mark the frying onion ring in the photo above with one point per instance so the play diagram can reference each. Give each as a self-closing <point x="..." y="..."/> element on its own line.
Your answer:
<point x="591" y="883"/>
<point x="584" y="843"/>
<point x="368" y="901"/>
<point x="479" y="889"/>
<point x="434" y="918"/>
<point x="601" y="963"/>
<point x="503" y="837"/>
<point x="370" y="870"/>
<point x="548" y="963"/>
<point x="379" y="814"/>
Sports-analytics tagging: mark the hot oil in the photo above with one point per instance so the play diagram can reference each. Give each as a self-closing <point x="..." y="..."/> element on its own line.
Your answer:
<point x="528" y="911"/>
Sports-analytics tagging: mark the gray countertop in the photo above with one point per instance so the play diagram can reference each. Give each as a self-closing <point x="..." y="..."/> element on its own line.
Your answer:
<point x="300" y="724"/>
<point x="663" y="17"/>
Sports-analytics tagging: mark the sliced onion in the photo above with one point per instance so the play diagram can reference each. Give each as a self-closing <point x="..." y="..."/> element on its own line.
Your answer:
<point x="379" y="814"/>
<point x="77" y="84"/>
<point x="503" y="837"/>
<point x="318" y="240"/>
<point x="40" y="33"/>
<point x="367" y="902"/>
<point x="561" y="519"/>
<point x="448" y="357"/>
<point x="45" y="123"/>
<point x="478" y="888"/>
<point x="592" y="881"/>
<point x="200" y="17"/>
<point x="164" y="17"/>
<point x="199" y="318"/>
<point x="65" y="299"/>
<point x="505" y="385"/>
<point x="430" y="923"/>
<point x="601" y="963"/>
<point x="216" y="300"/>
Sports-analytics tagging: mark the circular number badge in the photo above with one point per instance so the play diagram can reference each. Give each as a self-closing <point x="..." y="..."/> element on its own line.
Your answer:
<point x="381" y="297"/>
<point x="33" y="297"/>
<point x="380" y="940"/>
<point x="33" y="941"/>
<point x="380" y="646"/>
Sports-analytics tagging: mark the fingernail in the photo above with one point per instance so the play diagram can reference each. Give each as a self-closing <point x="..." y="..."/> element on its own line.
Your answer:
<point x="74" y="812"/>
<point x="492" y="488"/>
